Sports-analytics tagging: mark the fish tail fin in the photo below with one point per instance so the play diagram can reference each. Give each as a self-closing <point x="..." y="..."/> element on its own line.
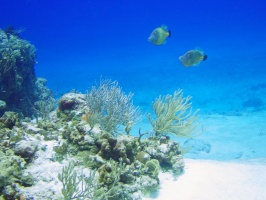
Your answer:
<point x="170" y="33"/>
<point x="205" y="57"/>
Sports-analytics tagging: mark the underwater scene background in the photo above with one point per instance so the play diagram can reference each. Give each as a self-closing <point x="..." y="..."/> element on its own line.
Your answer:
<point x="80" y="42"/>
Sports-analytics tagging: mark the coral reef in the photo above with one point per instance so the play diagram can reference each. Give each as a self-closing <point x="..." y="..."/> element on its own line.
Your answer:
<point x="104" y="152"/>
<point x="74" y="156"/>
<point x="19" y="86"/>
<point x="79" y="150"/>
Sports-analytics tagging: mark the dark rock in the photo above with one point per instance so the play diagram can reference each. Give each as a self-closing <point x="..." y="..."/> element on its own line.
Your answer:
<point x="27" y="180"/>
<point x="72" y="101"/>
<point x="9" y="120"/>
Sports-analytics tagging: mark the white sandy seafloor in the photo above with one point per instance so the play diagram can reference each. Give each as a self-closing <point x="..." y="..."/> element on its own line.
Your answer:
<point x="208" y="180"/>
<point x="227" y="162"/>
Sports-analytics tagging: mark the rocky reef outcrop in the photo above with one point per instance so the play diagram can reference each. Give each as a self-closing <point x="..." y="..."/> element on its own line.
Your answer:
<point x="127" y="166"/>
<point x="20" y="89"/>
<point x="46" y="158"/>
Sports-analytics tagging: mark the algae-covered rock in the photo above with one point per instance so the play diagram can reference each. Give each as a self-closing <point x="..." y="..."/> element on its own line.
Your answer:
<point x="9" y="192"/>
<point x="168" y="153"/>
<point x="9" y="120"/>
<point x="71" y="106"/>
<point x="11" y="167"/>
<point x="48" y="129"/>
<point x="72" y="101"/>
<point x="27" y="180"/>
<point x="131" y="146"/>
<point x="149" y="184"/>
<point x="25" y="148"/>
<point x="177" y="164"/>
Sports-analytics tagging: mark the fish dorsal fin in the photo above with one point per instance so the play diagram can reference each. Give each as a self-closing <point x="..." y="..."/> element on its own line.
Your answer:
<point x="200" y="50"/>
<point x="164" y="27"/>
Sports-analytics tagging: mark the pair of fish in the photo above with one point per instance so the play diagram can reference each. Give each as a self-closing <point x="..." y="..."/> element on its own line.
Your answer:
<point x="190" y="58"/>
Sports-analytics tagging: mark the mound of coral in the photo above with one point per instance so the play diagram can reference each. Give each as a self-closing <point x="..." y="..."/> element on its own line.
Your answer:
<point x="125" y="166"/>
<point x="20" y="89"/>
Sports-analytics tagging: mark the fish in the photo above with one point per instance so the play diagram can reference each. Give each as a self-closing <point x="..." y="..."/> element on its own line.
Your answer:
<point x="192" y="58"/>
<point x="159" y="35"/>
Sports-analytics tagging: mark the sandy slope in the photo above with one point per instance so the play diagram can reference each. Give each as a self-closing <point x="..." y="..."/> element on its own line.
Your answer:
<point x="209" y="180"/>
<point x="238" y="142"/>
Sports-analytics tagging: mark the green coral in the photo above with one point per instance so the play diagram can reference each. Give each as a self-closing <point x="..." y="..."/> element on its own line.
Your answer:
<point x="173" y="115"/>
<point x="153" y="167"/>
<point x="77" y="186"/>
<point x="11" y="168"/>
<point x="15" y="136"/>
<point x="143" y="157"/>
<point x="109" y="177"/>
<point x="60" y="152"/>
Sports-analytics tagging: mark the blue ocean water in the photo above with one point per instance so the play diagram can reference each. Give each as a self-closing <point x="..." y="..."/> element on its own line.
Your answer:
<point x="80" y="41"/>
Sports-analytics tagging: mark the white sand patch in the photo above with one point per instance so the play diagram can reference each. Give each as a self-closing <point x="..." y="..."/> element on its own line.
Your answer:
<point x="45" y="172"/>
<point x="208" y="180"/>
<point x="230" y="137"/>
